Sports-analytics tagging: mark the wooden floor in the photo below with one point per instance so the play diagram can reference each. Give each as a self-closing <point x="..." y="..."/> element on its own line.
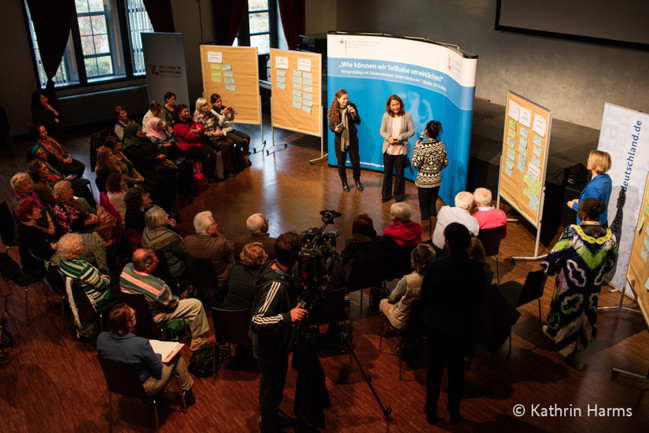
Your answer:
<point x="54" y="384"/>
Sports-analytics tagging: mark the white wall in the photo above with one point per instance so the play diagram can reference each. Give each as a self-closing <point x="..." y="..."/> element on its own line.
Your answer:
<point x="573" y="79"/>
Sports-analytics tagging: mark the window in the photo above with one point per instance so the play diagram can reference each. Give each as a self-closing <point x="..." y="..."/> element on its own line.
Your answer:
<point x="97" y="43"/>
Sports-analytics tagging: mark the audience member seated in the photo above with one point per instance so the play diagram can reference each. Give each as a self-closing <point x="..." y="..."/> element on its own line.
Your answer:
<point x="136" y="279"/>
<point x="155" y="110"/>
<point x="121" y="121"/>
<point x="58" y="156"/>
<point x="124" y="165"/>
<point x="240" y="139"/>
<point x="121" y="344"/>
<point x="71" y="215"/>
<point x="241" y="284"/>
<point x="187" y="137"/>
<point x="398" y="305"/>
<point x="461" y="213"/>
<point x="33" y="245"/>
<point x="23" y="188"/>
<point x="154" y="166"/>
<point x="81" y="187"/>
<point x="169" y="109"/>
<point x="137" y="200"/>
<point x="211" y="130"/>
<point x="94" y="248"/>
<point x="453" y="294"/>
<point x="208" y="243"/>
<point x="477" y="253"/>
<point x="39" y="174"/>
<point x="160" y="235"/>
<point x="165" y="143"/>
<point x="44" y="114"/>
<point x="257" y="225"/>
<point x="116" y="190"/>
<point x="488" y="216"/>
<point x="94" y="283"/>
<point x="402" y="230"/>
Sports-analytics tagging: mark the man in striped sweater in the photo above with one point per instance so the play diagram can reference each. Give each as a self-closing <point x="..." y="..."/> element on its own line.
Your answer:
<point x="94" y="283"/>
<point x="272" y="328"/>
<point x="136" y="279"/>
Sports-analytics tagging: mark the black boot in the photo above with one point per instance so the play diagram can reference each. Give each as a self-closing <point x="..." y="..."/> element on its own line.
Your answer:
<point x="359" y="185"/>
<point x="345" y="186"/>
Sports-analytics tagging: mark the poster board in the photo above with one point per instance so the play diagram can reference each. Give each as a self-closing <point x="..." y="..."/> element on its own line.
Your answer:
<point x="524" y="158"/>
<point x="638" y="271"/>
<point x="232" y="72"/>
<point x="296" y="83"/>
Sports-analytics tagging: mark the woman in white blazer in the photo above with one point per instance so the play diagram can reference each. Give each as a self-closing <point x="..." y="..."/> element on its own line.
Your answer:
<point x="396" y="128"/>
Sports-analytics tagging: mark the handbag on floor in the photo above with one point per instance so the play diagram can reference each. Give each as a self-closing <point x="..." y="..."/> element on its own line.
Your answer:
<point x="198" y="182"/>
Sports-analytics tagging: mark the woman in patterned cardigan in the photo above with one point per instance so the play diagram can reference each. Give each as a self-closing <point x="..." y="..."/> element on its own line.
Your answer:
<point x="429" y="156"/>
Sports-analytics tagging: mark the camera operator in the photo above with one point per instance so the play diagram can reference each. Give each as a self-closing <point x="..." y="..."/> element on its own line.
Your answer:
<point x="272" y="330"/>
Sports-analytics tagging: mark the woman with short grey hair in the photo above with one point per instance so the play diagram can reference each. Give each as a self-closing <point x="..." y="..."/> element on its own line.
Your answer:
<point x="160" y="235"/>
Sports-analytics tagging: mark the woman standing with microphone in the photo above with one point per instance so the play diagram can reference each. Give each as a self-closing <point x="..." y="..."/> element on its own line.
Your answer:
<point x="396" y="128"/>
<point x="343" y="118"/>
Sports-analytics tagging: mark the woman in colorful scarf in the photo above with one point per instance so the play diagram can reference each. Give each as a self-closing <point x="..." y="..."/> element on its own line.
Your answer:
<point x="580" y="258"/>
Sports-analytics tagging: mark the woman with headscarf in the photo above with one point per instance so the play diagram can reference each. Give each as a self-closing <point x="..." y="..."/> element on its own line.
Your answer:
<point x="580" y="258"/>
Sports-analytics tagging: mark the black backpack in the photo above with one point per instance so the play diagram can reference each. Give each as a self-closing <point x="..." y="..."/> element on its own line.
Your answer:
<point x="200" y="364"/>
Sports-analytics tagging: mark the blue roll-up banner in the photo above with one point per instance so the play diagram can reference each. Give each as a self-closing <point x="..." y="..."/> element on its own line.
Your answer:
<point x="434" y="81"/>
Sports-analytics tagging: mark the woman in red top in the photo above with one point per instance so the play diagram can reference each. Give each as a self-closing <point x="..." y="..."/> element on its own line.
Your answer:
<point x="187" y="136"/>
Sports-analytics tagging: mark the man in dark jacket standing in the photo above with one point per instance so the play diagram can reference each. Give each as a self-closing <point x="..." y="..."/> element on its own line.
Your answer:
<point x="272" y="328"/>
<point x="452" y="293"/>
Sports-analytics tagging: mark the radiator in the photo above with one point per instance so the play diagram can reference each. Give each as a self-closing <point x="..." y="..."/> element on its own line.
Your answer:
<point x="96" y="107"/>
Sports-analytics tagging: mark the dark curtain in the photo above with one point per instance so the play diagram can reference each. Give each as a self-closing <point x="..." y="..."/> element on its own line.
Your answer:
<point x="227" y="19"/>
<point x="52" y="21"/>
<point x="160" y="15"/>
<point x="293" y="20"/>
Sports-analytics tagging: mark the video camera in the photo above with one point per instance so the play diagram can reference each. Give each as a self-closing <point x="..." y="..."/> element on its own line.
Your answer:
<point x="317" y="257"/>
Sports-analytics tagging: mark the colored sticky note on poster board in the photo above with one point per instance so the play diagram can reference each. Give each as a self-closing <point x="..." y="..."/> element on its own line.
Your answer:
<point x="228" y="74"/>
<point x="307" y="103"/>
<point x="524" y="117"/>
<point x="226" y="67"/>
<point x="534" y="202"/>
<point x="297" y="80"/>
<point x="307" y="75"/>
<point x="509" y="171"/>
<point x="297" y="105"/>
<point x="297" y="86"/>
<point x="537" y="151"/>
<point x="522" y="140"/>
<point x="511" y="124"/>
<point x="297" y="93"/>
<point x="307" y="96"/>
<point x="533" y="171"/>
<point x="307" y="82"/>
<point x="526" y="192"/>
<point x="216" y="77"/>
<point x="307" y="88"/>
<point x="536" y="161"/>
<point x="521" y="159"/>
<point x="510" y="154"/>
<point x="641" y="222"/>
<point x="646" y="242"/>
<point x="215" y="66"/>
<point x="214" y="57"/>
<point x="306" y="109"/>
<point x="511" y="133"/>
<point x="281" y="86"/>
<point x="520" y="167"/>
<point x="524" y="132"/>
<point x="281" y="62"/>
<point x="228" y="80"/>
<point x="522" y="148"/>
<point x="297" y="73"/>
<point x="280" y="79"/>
<point x="511" y="142"/>
<point x="304" y="64"/>
<point x="230" y="88"/>
<point x="644" y="254"/>
<point x="297" y="99"/>
<point x="537" y="141"/>
<point x="280" y="73"/>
